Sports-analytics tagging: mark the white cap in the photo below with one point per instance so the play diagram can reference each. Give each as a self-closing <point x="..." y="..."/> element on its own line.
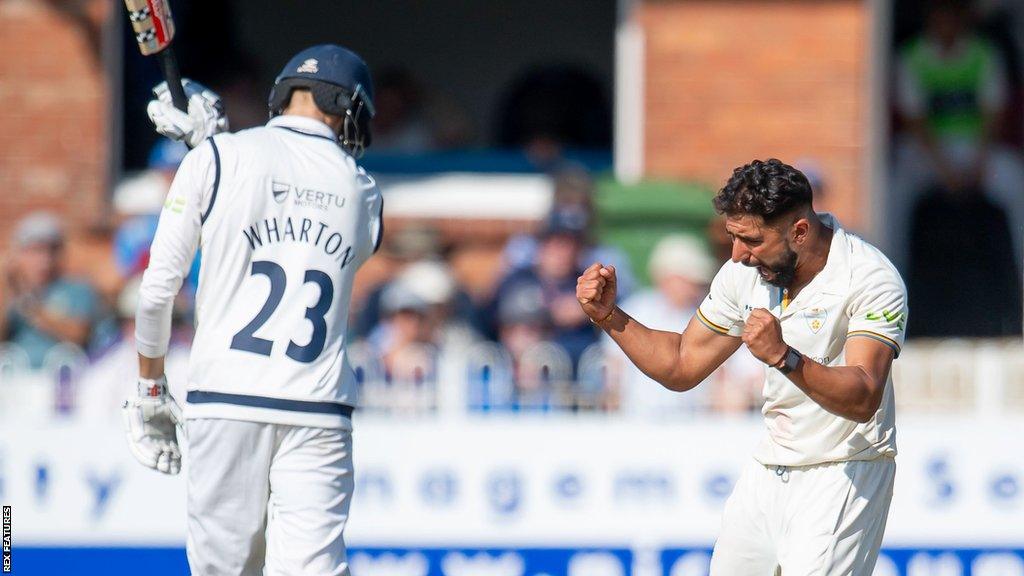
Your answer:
<point x="142" y="194"/>
<point x="38" y="228"/>
<point x="429" y="280"/>
<point x="680" y="255"/>
<point x="398" y="296"/>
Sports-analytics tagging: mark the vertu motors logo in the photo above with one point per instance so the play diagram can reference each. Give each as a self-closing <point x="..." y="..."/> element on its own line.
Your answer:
<point x="280" y="191"/>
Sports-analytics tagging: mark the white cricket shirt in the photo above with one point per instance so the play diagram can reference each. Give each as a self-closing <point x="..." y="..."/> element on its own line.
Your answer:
<point x="284" y="218"/>
<point x="858" y="294"/>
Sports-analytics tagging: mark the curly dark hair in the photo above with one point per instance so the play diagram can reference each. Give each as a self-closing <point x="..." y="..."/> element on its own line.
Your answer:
<point x="768" y="189"/>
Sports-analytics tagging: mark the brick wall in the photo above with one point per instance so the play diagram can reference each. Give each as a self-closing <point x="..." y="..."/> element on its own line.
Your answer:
<point x="727" y="82"/>
<point x="53" y="122"/>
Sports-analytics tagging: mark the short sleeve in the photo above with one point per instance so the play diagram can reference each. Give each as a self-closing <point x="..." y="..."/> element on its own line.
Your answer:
<point x="373" y="203"/>
<point x="879" y="310"/>
<point x="721" y="311"/>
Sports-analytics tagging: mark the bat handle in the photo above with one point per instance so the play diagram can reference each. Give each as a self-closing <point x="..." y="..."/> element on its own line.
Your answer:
<point x="169" y="66"/>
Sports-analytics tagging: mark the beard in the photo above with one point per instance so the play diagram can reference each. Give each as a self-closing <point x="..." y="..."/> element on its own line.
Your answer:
<point x="782" y="273"/>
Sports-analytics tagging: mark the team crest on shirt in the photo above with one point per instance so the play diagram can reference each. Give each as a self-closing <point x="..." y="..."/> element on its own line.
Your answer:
<point x="815" y="318"/>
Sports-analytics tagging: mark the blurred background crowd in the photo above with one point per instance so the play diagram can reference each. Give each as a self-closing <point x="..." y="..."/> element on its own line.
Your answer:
<point x="480" y="308"/>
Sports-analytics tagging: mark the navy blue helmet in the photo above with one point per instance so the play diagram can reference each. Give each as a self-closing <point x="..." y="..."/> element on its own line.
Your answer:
<point x="340" y="83"/>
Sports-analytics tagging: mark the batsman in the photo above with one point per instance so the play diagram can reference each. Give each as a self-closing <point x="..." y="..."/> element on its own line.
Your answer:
<point x="284" y="216"/>
<point x="825" y="312"/>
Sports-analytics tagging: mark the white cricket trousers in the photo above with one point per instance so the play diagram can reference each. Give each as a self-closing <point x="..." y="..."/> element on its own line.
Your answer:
<point x="267" y="499"/>
<point x="825" y="520"/>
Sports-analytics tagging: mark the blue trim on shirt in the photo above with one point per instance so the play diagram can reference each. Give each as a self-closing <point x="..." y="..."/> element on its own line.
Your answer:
<point x="333" y="140"/>
<point x="204" y="397"/>
<point x="380" y="230"/>
<point x="216" y="180"/>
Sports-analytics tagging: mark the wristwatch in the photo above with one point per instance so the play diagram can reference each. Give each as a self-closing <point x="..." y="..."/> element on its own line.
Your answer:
<point x="791" y="361"/>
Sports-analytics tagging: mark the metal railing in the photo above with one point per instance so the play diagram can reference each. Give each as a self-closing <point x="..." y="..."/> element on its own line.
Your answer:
<point x="981" y="377"/>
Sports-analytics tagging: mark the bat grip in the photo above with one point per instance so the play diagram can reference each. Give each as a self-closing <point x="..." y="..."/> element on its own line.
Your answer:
<point x="169" y="66"/>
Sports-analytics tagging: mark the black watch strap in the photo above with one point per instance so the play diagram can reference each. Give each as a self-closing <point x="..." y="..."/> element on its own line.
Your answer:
<point x="791" y="361"/>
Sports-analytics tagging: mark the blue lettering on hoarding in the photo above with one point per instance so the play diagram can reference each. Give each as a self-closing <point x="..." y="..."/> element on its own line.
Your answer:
<point x="439" y="487"/>
<point x="458" y="563"/>
<point x="1005" y="487"/>
<point x="42" y="482"/>
<point x="374" y="485"/>
<point x="937" y="472"/>
<point x="504" y="492"/>
<point x="103" y="489"/>
<point x="643" y="487"/>
<point x="718" y="486"/>
<point x="390" y="562"/>
<point x="568" y="486"/>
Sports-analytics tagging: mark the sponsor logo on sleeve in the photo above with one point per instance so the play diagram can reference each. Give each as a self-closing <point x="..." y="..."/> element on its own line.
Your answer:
<point x="896" y="318"/>
<point x="176" y="204"/>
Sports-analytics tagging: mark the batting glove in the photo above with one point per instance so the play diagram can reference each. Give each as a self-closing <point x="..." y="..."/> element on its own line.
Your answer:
<point x="205" y="115"/>
<point x="149" y="423"/>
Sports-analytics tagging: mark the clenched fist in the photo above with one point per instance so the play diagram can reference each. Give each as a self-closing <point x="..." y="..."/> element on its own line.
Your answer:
<point x="595" y="291"/>
<point x="762" y="334"/>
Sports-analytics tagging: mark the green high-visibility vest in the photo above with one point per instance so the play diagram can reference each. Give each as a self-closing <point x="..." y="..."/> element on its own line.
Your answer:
<point x="952" y="88"/>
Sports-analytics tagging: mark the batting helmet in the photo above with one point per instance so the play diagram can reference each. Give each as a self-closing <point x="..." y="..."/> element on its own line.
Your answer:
<point x="340" y="83"/>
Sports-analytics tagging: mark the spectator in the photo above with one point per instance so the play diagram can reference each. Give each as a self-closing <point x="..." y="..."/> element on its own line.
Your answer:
<point x="525" y="327"/>
<point x="523" y="319"/>
<point x="448" y="312"/>
<point x="573" y="201"/>
<point x="681" y="270"/>
<point x="554" y="273"/>
<point x="104" y="385"/>
<point x="952" y="92"/>
<point x="43" y="307"/>
<point x="404" y="343"/>
<point x="414" y="253"/>
<point x="403" y="247"/>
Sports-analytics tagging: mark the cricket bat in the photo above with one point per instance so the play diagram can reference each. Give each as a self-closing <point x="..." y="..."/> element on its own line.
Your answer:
<point x="154" y="29"/>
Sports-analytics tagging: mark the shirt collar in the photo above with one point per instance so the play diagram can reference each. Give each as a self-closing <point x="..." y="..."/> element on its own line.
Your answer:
<point x="303" y="124"/>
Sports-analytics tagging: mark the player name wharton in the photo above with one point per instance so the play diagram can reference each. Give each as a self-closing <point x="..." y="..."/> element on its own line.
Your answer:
<point x="275" y="230"/>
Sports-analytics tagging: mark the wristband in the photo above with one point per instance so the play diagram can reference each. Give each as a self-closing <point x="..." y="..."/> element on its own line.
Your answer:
<point x="605" y="319"/>
<point x="152" y="388"/>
